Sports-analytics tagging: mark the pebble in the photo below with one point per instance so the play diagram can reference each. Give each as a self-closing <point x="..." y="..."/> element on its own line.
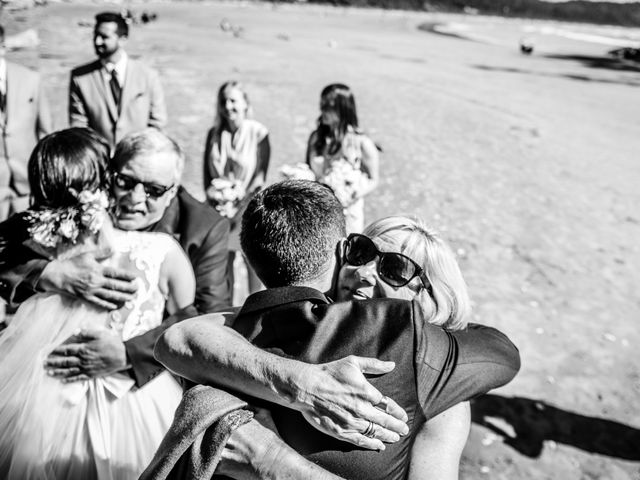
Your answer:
<point x="550" y="379"/>
<point x="609" y="336"/>
<point x="624" y="342"/>
<point x="534" y="303"/>
<point x="484" y="469"/>
<point x="552" y="445"/>
<point x="539" y="330"/>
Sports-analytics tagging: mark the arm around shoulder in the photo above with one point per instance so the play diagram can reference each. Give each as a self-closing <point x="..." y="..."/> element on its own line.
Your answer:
<point x="438" y="446"/>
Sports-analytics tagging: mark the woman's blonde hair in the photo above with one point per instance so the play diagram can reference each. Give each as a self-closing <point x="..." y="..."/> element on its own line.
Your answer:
<point x="220" y="121"/>
<point x="411" y="237"/>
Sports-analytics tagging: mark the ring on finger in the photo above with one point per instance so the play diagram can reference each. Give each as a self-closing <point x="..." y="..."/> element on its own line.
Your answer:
<point x="370" y="431"/>
<point x="383" y="403"/>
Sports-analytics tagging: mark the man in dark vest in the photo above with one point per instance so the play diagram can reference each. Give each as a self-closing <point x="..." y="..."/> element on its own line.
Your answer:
<point x="292" y="234"/>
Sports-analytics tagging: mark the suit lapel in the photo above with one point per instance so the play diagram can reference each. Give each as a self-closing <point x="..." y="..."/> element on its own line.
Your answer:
<point x="128" y="89"/>
<point x="99" y="83"/>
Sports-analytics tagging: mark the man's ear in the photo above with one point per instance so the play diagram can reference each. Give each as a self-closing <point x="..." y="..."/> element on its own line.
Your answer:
<point x="341" y="252"/>
<point x="172" y="193"/>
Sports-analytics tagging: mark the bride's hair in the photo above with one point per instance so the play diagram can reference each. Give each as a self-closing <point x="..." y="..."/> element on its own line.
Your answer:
<point x="65" y="163"/>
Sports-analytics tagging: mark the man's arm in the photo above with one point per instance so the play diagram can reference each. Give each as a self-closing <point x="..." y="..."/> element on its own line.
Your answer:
<point x="144" y="366"/>
<point x="334" y="397"/>
<point x="20" y="267"/>
<point x="77" y="114"/>
<point x="158" y="108"/>
<point x="210" y="263"/>
<point x="44" y="122"/>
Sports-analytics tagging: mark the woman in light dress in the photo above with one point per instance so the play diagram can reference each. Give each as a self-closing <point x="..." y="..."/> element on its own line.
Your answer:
<point x="341" y="156"/>
<point x="236" y="159"/>
<point x="399" y="257"/>
<point x="103" y="428"/>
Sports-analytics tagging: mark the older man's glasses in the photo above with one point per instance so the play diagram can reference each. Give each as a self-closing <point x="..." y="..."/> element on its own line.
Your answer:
<point x="394" y="269"/>
<point x="151" y="190"/>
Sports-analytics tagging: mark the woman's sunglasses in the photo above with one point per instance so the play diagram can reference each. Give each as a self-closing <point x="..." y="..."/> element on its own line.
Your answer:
<point x="153" y="190"/>
<point x="393" y="268"/>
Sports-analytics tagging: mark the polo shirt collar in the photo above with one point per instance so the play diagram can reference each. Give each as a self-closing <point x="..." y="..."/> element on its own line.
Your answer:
<point x="275" y="297"/>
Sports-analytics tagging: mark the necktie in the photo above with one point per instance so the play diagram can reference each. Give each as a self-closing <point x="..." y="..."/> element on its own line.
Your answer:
<point x="116" y="89"/>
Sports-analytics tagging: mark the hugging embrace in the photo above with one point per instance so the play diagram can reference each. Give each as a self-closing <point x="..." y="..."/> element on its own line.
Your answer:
<point x="292" y="346"/>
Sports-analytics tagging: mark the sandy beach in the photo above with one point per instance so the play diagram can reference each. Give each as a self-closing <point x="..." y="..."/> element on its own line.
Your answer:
<point x="527" y="164"/>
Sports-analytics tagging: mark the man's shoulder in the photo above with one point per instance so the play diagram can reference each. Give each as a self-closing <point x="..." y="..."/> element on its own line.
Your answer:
<point x="196" y="215"/>
<point x="140" y="68"/>
<point x="379" y="311"/>
<point x="21" y="70"/>
<point x="86" y="69"/>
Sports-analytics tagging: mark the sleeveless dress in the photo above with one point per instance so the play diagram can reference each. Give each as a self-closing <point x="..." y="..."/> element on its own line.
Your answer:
<point x="351" y="152"/>
<point x="104" y="428"/>
<point x="235" y="157"/>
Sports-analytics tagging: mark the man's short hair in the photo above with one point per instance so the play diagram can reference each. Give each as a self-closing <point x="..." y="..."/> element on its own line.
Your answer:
<point x="149" y="141"/>
<point x="121" y="23"/>
<point x="290" y="230"/>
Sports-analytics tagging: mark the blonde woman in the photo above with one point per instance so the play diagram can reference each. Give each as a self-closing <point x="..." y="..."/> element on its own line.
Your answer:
<point x="399" y="257"/>
<point x="236" y="159"/>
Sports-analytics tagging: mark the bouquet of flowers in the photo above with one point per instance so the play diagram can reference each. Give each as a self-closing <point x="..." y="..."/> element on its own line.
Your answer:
<point x="226" y="195"/>
<point x="299" y="171"/>
<point x="345" y="180"/>
<point x="53" y="227"/>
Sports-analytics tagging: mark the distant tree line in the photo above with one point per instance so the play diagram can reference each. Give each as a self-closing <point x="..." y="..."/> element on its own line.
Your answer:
<point x="625" y="14"/>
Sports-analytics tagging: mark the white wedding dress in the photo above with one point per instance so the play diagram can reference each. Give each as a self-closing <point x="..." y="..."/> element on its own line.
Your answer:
<point x="104" y="428"/>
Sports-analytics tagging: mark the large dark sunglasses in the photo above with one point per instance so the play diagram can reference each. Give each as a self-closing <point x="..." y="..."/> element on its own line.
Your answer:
<point x="393" y="268"/>
<point x="153" y="190"/>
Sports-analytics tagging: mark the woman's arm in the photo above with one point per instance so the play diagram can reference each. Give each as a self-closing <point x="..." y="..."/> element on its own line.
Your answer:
<point x="313" y="158"/>
<point x="263" y="154"/>
<point x="177" y="279"/>
<point x="370" y="165"/>
<point x="438" y="446"/>
<point x="208" y="169"/>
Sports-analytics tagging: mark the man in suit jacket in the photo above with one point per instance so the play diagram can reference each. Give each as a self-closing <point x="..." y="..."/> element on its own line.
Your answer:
<point x="147" y="167"/>
<point x="291" y="235"/>
<point x="115" y="95"/>
<point x="24" y="118"/>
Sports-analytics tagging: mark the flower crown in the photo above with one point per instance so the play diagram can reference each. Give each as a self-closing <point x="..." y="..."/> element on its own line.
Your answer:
<point x="54" y="226"/>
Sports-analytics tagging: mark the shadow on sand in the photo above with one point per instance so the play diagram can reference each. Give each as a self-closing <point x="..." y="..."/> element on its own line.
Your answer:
<point x="605" y="63"/>
<point x="570" y="76"/>
<point x="532" y="422"/>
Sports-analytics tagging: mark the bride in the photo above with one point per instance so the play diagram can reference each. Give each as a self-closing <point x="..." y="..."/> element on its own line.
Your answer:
<point x="103" y="428"/>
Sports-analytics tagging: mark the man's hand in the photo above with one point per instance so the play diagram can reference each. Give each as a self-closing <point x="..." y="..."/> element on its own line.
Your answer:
<point x="255" y="452"/>
<point x="337" y="399"/>
<point x="84" y="277"/>
<point x="88" y="354"/>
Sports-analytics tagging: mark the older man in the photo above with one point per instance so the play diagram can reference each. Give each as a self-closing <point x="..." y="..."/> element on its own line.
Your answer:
<point x="115" y="95"/>
<point x="146" y="187"/>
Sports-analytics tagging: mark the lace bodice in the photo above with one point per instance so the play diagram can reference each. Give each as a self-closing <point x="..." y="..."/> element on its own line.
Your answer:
<point x="142" y="253"/>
